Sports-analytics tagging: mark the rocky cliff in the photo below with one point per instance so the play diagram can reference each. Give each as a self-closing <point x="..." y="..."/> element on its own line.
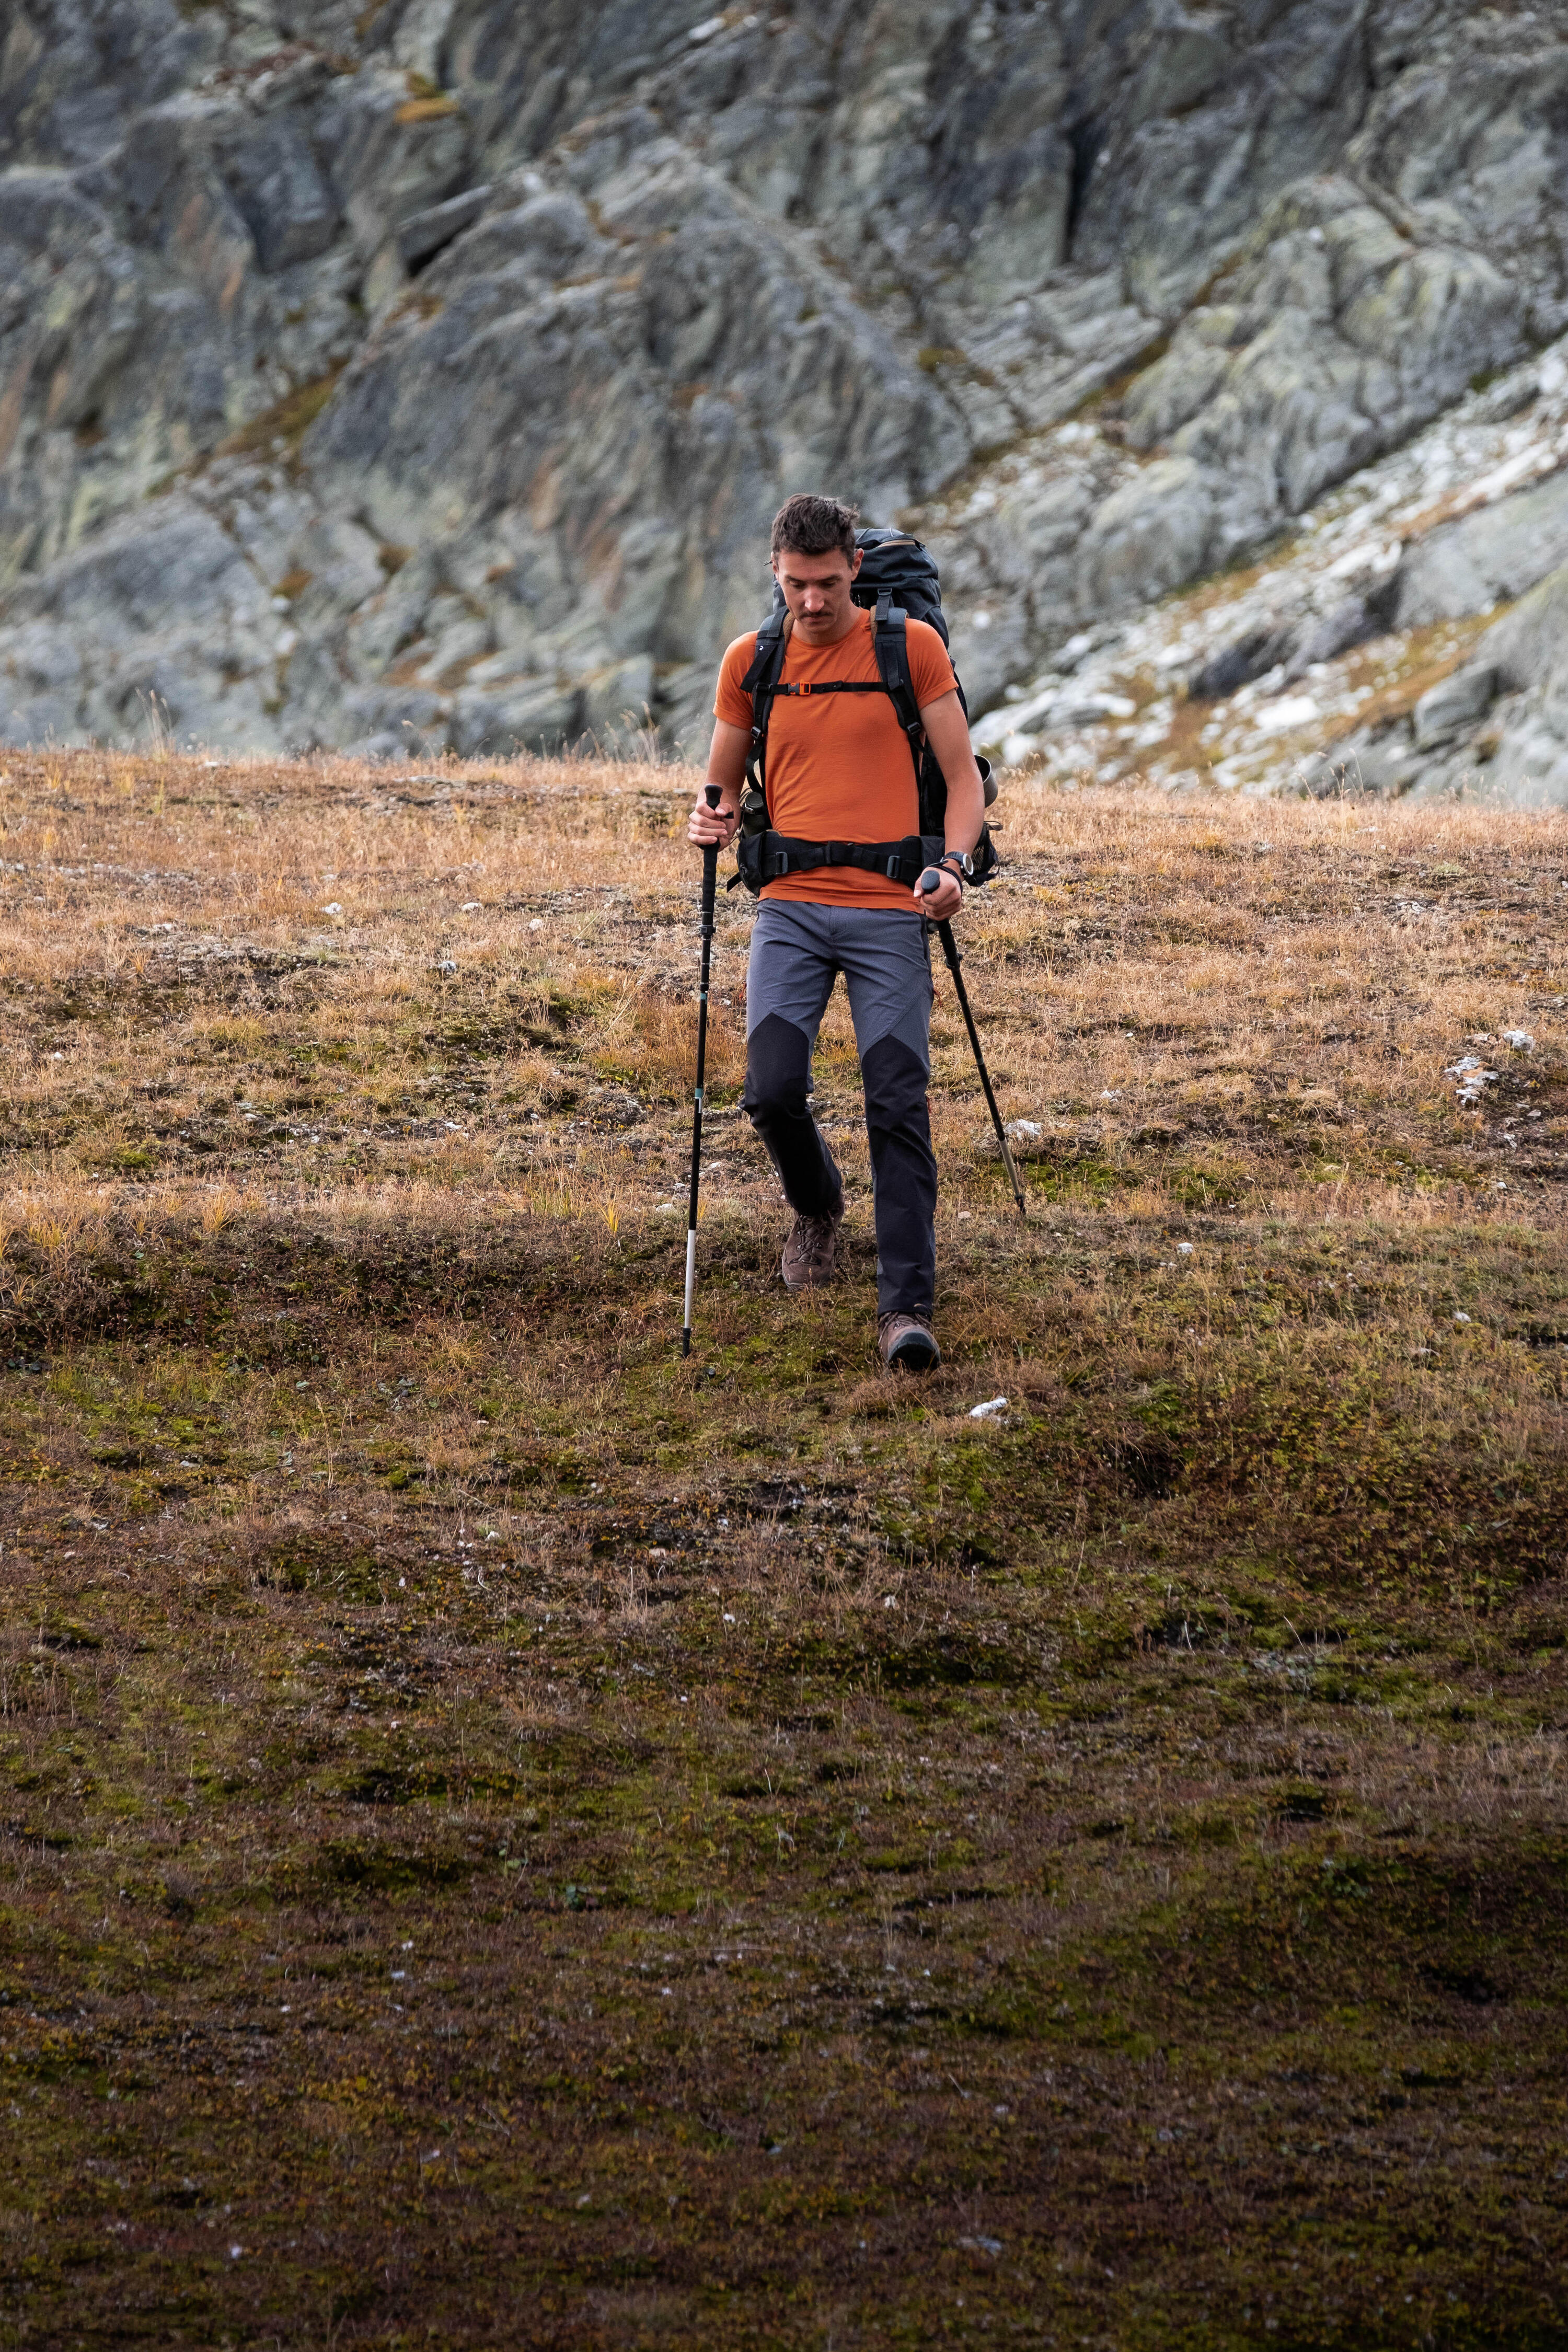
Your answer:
<point x="413" y="373"/>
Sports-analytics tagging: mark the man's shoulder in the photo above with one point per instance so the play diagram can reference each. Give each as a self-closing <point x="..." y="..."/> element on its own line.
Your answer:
<point x="931" y="664"/>
<point x="738" y="652"/>
<point x="732" y="702"/>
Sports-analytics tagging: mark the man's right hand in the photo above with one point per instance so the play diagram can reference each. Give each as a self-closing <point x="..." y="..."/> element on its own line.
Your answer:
<point x="710" y="826"/>
<point x="715" y="828"/>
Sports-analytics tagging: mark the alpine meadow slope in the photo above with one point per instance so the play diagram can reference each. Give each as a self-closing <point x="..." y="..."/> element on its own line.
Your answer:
<point x="511" y="1837"/>
<point x="421" y="376"/>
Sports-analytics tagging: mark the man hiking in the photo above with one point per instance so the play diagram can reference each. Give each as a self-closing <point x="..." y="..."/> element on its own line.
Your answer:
<point x="839" y="771"/>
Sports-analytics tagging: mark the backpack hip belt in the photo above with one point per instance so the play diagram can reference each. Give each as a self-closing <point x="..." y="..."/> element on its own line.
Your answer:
<point x="767" y="856"/>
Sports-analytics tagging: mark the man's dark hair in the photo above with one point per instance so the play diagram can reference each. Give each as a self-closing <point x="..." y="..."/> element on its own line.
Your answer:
<point x="808" y="526"/>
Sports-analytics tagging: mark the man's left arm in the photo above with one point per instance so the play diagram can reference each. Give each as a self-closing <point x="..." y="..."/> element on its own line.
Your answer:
<point x="947" y="732"/>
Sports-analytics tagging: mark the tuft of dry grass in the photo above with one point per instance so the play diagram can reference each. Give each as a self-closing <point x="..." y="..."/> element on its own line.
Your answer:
<point x="533" y="1840"/>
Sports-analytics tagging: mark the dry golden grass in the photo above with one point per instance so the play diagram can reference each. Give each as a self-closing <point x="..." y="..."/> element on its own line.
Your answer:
<point x="537" y="1841"/>
<point x="180" y="938"/>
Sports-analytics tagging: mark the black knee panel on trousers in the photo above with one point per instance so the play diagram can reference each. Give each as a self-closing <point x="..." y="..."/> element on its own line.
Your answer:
<point x="896" y="1080"/>
<point x="898" y="1126"/>
<point x="777" y="1101"/>
<point x="778" y="1070"/>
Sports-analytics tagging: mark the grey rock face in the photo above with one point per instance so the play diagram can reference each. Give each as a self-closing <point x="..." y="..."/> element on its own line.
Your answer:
<point x="1484" y="559"/>
<point x="1449" y="708"/>
<point x="472" y="343"/>
<point x="1526" y="655"/>
<point x="1529" y="646"/>
<point x="175" y="619"/>
<point x="1336" y="335"/>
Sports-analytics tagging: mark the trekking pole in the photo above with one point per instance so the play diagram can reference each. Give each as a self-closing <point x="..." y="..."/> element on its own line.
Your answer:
<point x="931" y="880"/>
<point x="710" y="890"/>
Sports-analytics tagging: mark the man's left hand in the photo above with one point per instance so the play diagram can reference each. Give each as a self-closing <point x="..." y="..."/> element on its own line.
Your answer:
<point x="938" y="905"/>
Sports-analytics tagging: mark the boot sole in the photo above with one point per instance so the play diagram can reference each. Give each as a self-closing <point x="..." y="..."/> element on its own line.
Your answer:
<point x="914" y="1355"/>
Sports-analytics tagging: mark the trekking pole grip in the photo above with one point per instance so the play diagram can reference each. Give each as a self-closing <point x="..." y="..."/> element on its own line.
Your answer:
<point x="709" y="866"/>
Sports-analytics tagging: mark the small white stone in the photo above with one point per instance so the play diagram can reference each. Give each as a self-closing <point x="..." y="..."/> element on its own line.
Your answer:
<point x="1291" y="710"/>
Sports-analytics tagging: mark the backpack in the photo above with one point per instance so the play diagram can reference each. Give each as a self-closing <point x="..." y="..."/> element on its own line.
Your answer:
<point x="897" y="582"/>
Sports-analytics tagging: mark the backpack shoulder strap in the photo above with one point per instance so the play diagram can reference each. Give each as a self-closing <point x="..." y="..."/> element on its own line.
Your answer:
<point x="760" y="682"/>
<point x="890" y="627"/>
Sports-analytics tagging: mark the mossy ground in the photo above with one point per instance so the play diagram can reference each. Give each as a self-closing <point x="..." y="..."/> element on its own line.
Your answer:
<point x="513" y="1838"/>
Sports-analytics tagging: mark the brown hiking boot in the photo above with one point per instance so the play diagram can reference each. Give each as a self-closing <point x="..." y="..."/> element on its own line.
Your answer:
<point x="809" y="1253"/>
<point x="907" y="1343"/>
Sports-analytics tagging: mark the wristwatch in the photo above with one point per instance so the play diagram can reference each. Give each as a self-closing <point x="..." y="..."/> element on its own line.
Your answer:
<point x="958" y="863"/>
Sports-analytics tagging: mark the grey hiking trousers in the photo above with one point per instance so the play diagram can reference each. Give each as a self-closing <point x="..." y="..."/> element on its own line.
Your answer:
<point x="798" y="949"/>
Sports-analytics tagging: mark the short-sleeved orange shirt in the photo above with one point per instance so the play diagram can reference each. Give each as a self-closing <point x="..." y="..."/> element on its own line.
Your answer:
<point x="838" y="766"/>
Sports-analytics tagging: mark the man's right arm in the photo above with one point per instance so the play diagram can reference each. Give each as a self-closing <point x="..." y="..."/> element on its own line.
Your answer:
<point x="727" y="769"/>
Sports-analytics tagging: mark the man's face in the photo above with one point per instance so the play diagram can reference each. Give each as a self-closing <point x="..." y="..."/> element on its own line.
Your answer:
<point x="816" y="590"/>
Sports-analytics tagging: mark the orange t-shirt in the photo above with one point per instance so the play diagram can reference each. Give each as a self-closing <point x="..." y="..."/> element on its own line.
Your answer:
<point x="838" y="766"/>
